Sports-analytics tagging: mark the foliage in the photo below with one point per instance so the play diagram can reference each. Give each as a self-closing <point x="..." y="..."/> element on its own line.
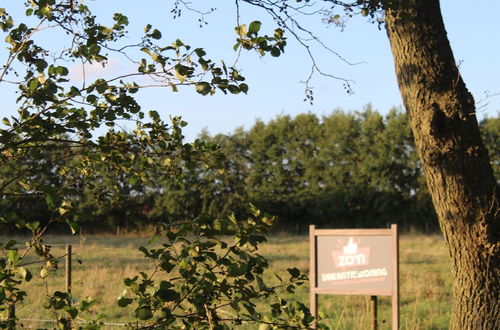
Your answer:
<point x="490" y="130"/>
<point x="60" y="119"/>
<point x="55" y="164"/>
<point x="342" y="170"/>
<point x="202" y="281"/>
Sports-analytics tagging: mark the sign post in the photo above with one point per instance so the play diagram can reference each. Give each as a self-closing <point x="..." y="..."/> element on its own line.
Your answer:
<point x="373" y="312"/>
<point x="355" y="262"/>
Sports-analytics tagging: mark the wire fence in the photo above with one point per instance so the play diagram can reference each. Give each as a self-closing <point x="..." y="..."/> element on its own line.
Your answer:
<point x="26" y="326"/>
<point x="34" y="323"/>
<point x="13" y="320"/>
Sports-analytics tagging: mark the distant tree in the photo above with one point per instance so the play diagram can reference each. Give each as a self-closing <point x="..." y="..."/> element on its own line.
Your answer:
<point x="490" y="132"/>
<point x="336" y="170"/>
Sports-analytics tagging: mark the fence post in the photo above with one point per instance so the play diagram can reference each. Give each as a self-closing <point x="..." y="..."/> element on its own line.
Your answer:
<point x="373" y="313"/>
<point x="11" y="324"/>
<point x="68" y="275"/>
<point x="68" y="268"/>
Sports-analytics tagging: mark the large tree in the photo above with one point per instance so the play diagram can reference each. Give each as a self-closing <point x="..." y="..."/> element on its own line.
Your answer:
<point x="455" y="161"/>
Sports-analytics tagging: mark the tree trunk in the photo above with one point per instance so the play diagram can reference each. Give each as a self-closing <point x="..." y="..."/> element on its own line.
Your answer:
<point x="455" y="161"/>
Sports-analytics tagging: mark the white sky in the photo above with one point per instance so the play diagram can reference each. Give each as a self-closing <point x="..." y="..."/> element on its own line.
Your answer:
<point x="274" y="83"/>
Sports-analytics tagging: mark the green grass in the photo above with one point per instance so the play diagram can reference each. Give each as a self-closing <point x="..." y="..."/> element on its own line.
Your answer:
<point x="425" y="283"/>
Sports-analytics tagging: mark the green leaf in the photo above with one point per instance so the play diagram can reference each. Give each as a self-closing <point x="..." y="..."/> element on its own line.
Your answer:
<point x="65" y="207"/>
<point x="236" y="270"/>
<point x="9" y="244"/>
<point x="130" y="281"/>
<point x="145" y="251"/>
<point x="124" y="302"/>
<point x="146" y="50"/>
<point x="278" y="33"/>
<point x="167" y="295"/>
<point x="262" y="286"/>
<point x="86" y="304"/>
<point x="244" y="88"/>
<point x="62" y="71"/>
<point x="154" y="57"/>
<point x="156" y="34"/>
<point x="174" y="87"/>
<point x="143" y="313"/>
<point x="153" y="114"/>
<point x="294" y="272"/>
<point x="182" y="71"/>
<point x="75" y="228"/>
<point x="91" y="98"/>
<point x="120" y="19"/>
<point x="41" y="78"/>
<point x="167" y="266"/>
<point x="101" y="85"/>
<point x="250" y="307"/>
<point x="33" y="84"/>
<point x="241" y="30"/>
<point x="40" y="65"/>
<point x="72" y="311"/>
<point x="43" y="273"/>
<point x="6" y="121"/>
<point x="13" y="256"/>
<point x="254" y="27"/>
<point x="50" y="199"/>
<point x="233" y="89"/>
<point x="178" y="43"/>
<point x="203" y="88"/>
<point x="25" y="274"/>
<point x="200" y="52"/>
<point x="33" y="225"/>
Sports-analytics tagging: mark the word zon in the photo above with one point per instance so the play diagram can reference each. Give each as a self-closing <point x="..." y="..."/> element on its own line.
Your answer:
<point x="352" y="260"/>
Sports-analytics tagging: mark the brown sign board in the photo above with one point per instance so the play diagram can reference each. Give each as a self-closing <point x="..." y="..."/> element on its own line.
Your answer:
<point x="355" y="262"/>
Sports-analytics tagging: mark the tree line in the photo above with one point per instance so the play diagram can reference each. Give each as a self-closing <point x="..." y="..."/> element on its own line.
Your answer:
<point x="345" y="169"/>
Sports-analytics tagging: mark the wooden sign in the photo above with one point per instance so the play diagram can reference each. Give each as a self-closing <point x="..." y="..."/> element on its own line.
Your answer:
<point x="355" y="262"/>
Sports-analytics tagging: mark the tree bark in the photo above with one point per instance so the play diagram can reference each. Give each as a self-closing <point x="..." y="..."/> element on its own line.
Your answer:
<point x="456" y="163"/>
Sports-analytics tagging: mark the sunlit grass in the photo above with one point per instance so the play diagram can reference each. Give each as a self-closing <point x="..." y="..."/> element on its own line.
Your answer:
<point x="425" y="283"/>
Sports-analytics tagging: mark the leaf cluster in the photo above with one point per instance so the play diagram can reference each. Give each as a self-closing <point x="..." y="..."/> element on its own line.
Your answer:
<point x="249" y="39"/>
<point x="208" y="274"/>
<point x="55" y="161"/>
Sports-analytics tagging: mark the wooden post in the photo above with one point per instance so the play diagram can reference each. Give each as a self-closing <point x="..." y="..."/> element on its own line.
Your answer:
<point x="395" y="274"/>
<point x="373" y="313"/>
<point x="11" y="323"/>
<point x="68" y="268"/>
<point x="313" y="297"/>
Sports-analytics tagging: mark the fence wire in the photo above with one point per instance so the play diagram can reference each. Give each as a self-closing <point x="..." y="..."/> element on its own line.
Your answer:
<point x="110" y="324"/>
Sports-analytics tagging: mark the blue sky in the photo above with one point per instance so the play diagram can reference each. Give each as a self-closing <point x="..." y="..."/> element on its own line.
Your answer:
<point x="275" y="86"/>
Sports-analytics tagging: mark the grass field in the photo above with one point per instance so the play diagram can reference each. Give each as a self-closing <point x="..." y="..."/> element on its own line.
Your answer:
<point x="424" y="276"/>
